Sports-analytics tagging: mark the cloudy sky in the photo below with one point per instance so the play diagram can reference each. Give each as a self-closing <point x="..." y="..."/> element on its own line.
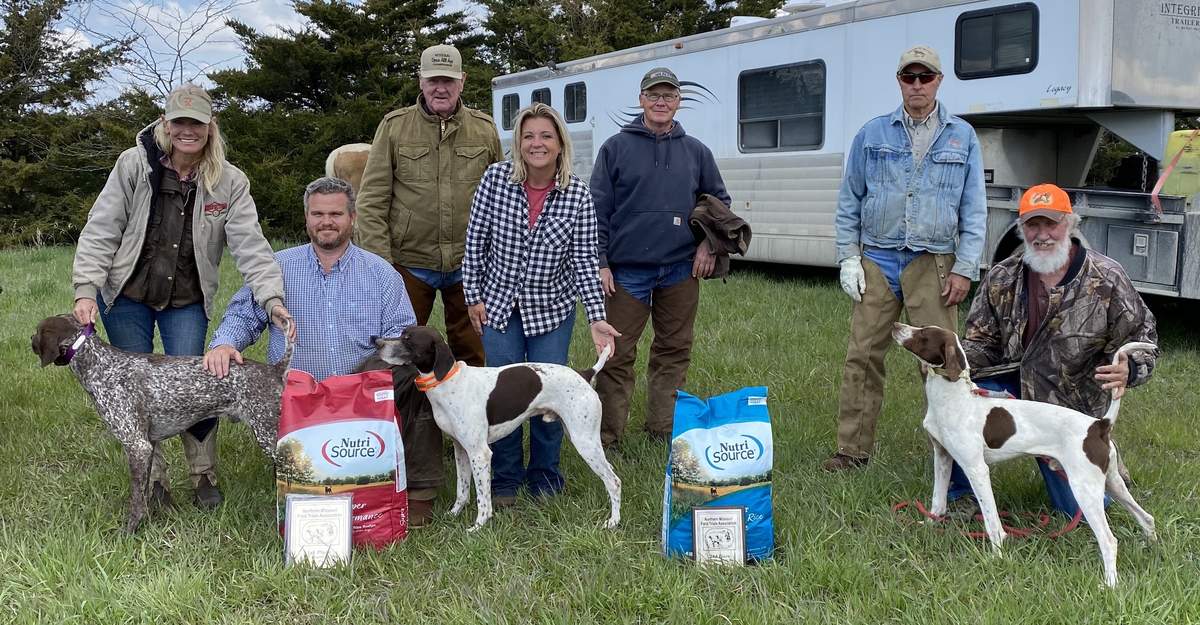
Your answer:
<point x="213" y="47"/>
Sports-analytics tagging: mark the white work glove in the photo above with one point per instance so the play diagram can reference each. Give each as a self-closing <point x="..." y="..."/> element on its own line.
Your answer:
<point x="854" y="281"/>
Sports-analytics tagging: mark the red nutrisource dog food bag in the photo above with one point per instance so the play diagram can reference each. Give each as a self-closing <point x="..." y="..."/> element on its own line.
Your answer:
<point x="341" y="436"/>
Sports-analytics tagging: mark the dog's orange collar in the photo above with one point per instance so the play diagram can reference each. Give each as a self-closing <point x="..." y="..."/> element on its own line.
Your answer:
<point x="428" y="381"/>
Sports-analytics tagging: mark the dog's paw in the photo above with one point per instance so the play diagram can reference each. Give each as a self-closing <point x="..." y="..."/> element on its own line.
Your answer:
<point x="457" y="509"/>
<point x="611" y="524"/>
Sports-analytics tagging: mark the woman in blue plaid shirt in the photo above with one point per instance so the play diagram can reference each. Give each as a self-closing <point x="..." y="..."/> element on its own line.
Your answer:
<point x="530" y="254"/>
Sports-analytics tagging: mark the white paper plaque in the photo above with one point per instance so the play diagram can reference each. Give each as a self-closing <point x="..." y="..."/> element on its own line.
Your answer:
<point x="318" y="530"/>
<point x="719" y="535"/>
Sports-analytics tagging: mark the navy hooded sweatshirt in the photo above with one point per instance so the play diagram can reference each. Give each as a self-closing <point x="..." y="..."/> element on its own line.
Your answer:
<point x="645" y="187"/>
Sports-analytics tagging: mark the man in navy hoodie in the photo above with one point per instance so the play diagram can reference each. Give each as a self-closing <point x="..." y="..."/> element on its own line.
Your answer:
<point x="646" y="181"/>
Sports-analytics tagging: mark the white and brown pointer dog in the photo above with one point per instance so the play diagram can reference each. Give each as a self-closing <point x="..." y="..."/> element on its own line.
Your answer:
<point x="975" y="431"/>
<point x="475" y="406"/>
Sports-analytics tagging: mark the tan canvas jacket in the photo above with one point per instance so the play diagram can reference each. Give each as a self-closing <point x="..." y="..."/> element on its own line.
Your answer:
<point x="1088" y="318"/>
<point x="417" y="187"/>
<point x="112" y="238"/>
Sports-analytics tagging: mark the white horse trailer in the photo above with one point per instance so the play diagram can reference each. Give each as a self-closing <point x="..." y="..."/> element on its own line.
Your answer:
<point x="779" y="101"/>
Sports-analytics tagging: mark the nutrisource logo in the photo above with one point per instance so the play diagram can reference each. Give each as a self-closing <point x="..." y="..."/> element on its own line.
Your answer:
<point x="747" y="449"/>
<point x="343" y="449"/>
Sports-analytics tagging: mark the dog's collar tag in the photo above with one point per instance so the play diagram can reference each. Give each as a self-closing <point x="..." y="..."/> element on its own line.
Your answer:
<point x="88" y="330"/>
<point x="429" y="381"/>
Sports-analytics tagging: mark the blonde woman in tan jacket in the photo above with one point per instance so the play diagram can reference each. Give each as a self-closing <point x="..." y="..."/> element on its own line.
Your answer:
<point x="149" y="252"/>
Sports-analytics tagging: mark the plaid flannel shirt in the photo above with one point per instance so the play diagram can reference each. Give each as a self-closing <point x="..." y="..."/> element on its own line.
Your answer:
<point x="337" y="314"/>
<point x="542" y="271"/>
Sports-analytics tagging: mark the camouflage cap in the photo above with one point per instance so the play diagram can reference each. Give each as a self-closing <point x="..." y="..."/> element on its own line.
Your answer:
<point x="189" y="101"/>
<point x="657" y="76"/>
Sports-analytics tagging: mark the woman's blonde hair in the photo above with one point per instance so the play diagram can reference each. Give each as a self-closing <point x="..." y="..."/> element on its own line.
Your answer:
<point x="212" y="162"/>
<point x="538" y="109"/>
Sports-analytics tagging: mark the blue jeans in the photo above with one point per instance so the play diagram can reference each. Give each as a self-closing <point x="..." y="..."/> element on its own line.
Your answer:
<point x="130" y="325"/>
<point x="1057" y="487"/>
<point x="892" y="263"/>
<point x="436" y="279"/>
<point x="641" y="280"/>
<point x="542" y="476"/>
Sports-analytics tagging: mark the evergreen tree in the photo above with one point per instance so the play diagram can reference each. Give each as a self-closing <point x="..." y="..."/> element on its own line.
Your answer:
<point x="328" y="83"/>
<point x="525" y="34"/>
<point x="54" y="150"/>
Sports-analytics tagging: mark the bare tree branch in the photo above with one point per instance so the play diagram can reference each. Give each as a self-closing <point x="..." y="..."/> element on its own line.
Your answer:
<point x="166" y="37"/>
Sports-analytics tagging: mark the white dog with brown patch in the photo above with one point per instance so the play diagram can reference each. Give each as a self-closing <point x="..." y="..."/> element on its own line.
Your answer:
<point x="475" y="406"/>
<point x="976" y="430"/>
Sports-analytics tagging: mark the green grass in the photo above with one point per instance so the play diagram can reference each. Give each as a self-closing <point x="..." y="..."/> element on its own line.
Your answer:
<point x="842" y="557"/>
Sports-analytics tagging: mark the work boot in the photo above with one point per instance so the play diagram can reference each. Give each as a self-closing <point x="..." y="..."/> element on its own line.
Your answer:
<point x="207" y="495"/>
<point x="503" y="501"/>
<point x="160" y="497"/>
<point x="963" y="509"/>
<point x="420" y="513"/>
<point x="841" y="462"/>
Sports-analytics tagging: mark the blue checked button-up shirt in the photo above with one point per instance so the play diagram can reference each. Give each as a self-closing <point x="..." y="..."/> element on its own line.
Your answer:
<point x="544" y="270"/>
<point x="336" y="314"/>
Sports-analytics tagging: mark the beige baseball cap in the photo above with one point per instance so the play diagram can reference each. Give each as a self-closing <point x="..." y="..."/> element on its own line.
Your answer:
<point x="441" y="60"/>
<point x="189" y="101"/>
<point x="922" y="55"/>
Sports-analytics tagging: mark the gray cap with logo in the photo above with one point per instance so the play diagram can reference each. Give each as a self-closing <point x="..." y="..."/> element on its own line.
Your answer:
<point x="921" y="55"/>
<point x="659" y="76"/>
<point x="189" y="101"/>
<point x="441" y="60"/>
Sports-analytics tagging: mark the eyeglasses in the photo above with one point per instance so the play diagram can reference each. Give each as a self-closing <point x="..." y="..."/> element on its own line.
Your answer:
<point x="909" y="78"/>
<point x="665" y="97"/>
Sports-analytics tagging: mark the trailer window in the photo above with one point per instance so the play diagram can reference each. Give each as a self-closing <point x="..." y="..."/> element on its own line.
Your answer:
<point x="782" y="108"/>
<point x="508" y="110"/>
<point x="996" y="42"/>
<point x="541" y="95"/>
<point x="575" y="102"/>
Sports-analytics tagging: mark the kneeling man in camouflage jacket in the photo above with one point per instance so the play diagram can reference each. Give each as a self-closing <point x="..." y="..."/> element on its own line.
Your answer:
<point x="1046" y="321"/>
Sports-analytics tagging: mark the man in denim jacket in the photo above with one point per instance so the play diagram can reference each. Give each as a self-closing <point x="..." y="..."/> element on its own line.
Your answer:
<point x="910" y="229"/>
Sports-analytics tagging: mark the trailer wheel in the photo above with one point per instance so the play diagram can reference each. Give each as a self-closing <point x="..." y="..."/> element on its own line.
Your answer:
<point x="1008" y="245"/>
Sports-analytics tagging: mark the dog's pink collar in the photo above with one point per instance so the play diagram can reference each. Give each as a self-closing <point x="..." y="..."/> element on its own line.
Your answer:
<point x="87" y="331"/>
<point x="428" y="381"/>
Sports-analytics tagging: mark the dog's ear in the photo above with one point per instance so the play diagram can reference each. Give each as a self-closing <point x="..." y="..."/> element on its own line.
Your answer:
<point x="50" y="342"/>
<point x="443" y="360"/>
<point x="952" y="359"/>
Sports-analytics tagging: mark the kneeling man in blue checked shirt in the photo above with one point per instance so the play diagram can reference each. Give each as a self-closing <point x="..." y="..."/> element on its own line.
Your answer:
<point x="340" y="295"/>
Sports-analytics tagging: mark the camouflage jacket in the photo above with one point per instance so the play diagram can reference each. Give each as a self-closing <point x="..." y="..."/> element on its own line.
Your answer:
<point x="1087" y="319"/>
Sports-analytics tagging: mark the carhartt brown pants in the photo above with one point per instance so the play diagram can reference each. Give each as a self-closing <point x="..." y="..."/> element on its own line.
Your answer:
<point x="423" y="457"/>
<point x="673" y="315"/>
<point x="921" y="282"/>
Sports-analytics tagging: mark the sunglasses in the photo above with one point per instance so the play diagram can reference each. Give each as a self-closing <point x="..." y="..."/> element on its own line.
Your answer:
<point x="909" y="78"/>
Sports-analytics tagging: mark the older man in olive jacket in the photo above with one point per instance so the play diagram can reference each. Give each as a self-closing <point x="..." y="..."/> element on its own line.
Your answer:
<point x="413" y="207"/>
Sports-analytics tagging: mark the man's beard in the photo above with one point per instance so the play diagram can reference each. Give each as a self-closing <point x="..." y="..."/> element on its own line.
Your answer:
<point x="1048" y="261"/>
<point x="328" y="244"/>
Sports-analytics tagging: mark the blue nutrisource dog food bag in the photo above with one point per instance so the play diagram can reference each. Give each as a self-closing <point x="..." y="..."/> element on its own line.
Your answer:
<point x="721" y="455"/>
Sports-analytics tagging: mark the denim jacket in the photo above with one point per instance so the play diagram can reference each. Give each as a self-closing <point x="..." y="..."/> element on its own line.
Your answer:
<point x="937" y="206"/>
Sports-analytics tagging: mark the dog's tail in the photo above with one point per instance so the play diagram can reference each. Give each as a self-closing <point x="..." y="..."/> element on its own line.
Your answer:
<point x="286" y="361"/>
<point x="1115" y="406"/>
<point x="589" y="375"/>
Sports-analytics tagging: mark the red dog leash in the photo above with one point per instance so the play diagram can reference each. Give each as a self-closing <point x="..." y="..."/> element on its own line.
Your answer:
<point x="1041" y="521"/>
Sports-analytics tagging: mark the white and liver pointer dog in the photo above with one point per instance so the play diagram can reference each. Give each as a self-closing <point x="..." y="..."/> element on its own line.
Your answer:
<point x="975" y="431"/>
<point x="479" y="405"/>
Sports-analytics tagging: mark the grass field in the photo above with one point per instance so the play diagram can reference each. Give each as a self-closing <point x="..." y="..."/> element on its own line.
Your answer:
<point x="842" y="557"/>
